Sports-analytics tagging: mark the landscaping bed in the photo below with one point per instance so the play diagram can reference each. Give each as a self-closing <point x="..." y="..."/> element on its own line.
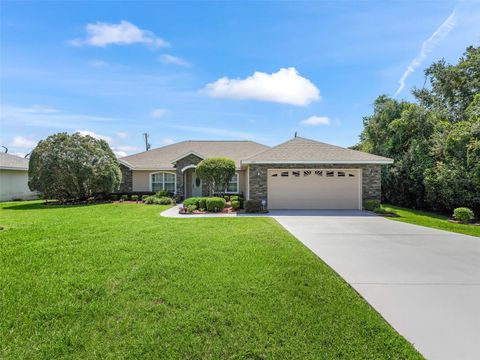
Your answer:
<point x="228" y="204"/>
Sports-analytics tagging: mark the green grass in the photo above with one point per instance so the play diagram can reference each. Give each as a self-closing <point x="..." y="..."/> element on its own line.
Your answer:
<point x="117" y="281"/>
<point x="432" y="220"/>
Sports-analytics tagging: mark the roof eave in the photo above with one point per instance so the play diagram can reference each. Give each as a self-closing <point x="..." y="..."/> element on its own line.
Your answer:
<point x="268" y="162"/>
<point x="13" y="168"/>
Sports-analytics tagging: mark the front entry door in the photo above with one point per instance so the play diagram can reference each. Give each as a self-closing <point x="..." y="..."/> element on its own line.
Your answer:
<point x="196" y="185"/>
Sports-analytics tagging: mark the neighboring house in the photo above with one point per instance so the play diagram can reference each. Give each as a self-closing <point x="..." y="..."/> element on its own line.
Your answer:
<point x="297" y="174"/>
<point x="14" y="178"/>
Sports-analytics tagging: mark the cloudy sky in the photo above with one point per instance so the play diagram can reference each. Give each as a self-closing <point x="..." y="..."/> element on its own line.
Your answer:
<point x="213" y="70"/>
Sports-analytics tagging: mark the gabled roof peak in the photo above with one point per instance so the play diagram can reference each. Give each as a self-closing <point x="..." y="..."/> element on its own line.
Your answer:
<point x="303" y="150"/>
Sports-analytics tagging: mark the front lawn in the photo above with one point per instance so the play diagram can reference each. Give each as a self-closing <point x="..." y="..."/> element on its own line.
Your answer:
<point x="118" y="281"/>
<point x="432" y="220"/>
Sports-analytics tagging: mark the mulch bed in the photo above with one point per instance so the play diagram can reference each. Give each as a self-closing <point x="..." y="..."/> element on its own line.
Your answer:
<point x="474" y="222"/>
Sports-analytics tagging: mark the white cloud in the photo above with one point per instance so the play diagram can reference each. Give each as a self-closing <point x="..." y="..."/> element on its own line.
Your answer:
<point x="23" y="142"/>
<point x="122" y="134"/>
<point x="41" y="108"/>
<point x="168" y="141"/>
<point x="316" y="120"/>
<point x="158" y="112"/>
<point x="284" y="86"/>
<point x="125" y="148"/>
<point x="120" y="153"/>
<point x="97" y="63"/>
<point x="102" y="34"/>
<point x="44" y="116"/>
<point x="108" y="139"/>
<point x="173" y="60"/>
<point x="215" y="131"/>
<point x="427" y="47"/>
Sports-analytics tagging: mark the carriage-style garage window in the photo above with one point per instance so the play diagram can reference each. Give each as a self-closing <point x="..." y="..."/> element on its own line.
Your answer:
<point x="163" y="181"/>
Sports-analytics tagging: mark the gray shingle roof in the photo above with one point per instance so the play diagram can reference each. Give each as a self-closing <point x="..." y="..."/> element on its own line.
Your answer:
<point x="301" y="150"/>
<point x="12" y="162"/>
<point x="162" y="158"/>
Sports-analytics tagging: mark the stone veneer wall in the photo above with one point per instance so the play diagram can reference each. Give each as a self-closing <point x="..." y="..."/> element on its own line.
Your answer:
<point x="187" y="160"/>
<point x="126" y="184"/>
<point x="371" y="178"/>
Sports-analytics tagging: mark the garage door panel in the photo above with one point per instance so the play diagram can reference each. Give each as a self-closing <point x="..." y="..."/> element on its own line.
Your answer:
<point x="314" y="189"/>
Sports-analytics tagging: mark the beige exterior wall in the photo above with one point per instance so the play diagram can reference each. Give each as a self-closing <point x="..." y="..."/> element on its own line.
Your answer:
<point x="242" y="178"/>
<point x="14" y="185"/>
<point x="141" y="180"/>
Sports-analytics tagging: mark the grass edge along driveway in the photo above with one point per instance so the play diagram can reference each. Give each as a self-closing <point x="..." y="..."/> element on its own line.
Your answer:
<point x="118" y="281"/>
<point x="432" y="220"/>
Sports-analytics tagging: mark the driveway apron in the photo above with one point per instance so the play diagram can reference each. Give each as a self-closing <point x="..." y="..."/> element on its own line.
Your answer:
<point x="424" y="282"/>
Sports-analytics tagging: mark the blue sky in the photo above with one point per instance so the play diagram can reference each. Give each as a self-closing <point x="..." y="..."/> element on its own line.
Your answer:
<point x="215" y="70"/>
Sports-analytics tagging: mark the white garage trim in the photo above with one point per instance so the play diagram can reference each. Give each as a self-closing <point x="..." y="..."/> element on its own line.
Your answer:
<point x="319" y="188"/>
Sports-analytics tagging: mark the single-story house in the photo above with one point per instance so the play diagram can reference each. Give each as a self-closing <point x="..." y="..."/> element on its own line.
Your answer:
<point x="14" y="178"/>
<point x="297" y="174"/>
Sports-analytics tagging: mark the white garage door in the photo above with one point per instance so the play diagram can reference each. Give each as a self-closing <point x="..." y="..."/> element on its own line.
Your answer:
<point x="314" y="189"/>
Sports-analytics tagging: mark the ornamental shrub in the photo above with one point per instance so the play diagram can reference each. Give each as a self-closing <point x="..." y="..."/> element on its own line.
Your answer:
<point x="191" y="208"/>
<point x="163" y="193"/>
<point x="191" y="201"/>
<point x="235" y="204"/>
<point x="149" y="200"/>
<point x="134" y="198"/>
<point x="216" y="172"/>
<point x="237" y="198"/>
<point x="163" y="200"/>
<point x="463" y="214"/>
<point x="73" y="167"/>
<point x="202" y="203"/>
<point x="124" y="197"/>
<point x="144" y="197"/>
<point x="215" y="204"/>
<point x="253" y="206"/>
<point x="371" y="205"/>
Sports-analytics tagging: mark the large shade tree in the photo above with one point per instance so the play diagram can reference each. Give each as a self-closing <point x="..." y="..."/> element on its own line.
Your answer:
<point x="73" y="167"/>
<point x="435" y="142"/>
<point x="216" y="172"/>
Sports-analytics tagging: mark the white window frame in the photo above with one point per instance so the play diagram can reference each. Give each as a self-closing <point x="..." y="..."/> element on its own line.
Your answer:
<point x="237" y="176"/>
<point x="150" y="177"/>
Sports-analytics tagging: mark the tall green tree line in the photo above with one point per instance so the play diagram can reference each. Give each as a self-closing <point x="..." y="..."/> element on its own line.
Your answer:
<point x="435" y="141"/>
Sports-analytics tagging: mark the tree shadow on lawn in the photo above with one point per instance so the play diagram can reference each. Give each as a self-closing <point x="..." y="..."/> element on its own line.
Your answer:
<point x="43" y="206"/>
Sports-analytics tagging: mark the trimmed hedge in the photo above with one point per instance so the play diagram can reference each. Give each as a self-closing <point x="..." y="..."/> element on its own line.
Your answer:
<point x="253" y="206"/>
<point x="164" y="201"/>
<point x="202" y="203"/>
<point x="237" y="198"/>
<point x="463" y="214"/>
<point x="215" y="204"/>
<point x="192" y="201"/>
<point x="154" y="200"/>
<point x="134" y="197"/>
<point x="235" y="204"/>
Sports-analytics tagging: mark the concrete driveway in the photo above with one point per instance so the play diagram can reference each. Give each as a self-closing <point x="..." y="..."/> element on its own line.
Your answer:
<point x="424" y="282"/>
